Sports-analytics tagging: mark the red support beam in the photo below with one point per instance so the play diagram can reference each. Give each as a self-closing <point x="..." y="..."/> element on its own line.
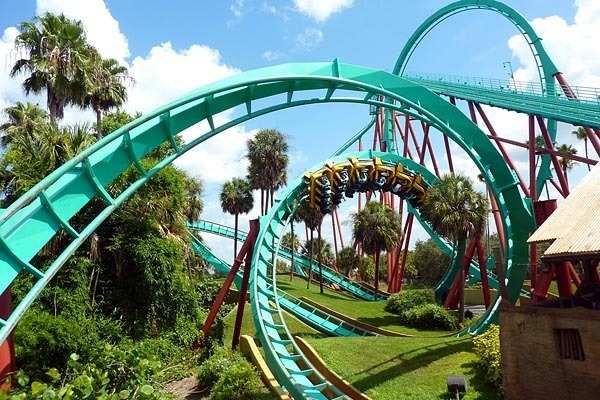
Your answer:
<point x="563" y="280"/>
<point x="591" y="134"/>
<point x="452" y="301"/>
<point x="557" y="167"/>
<point x="8" y="364"/>
<point x="498" y="222"/>
<point x="248" y="246"/>
<point x="505" y="155"/>
<point x="540" y="291"/>
<point x="485" y="286"/>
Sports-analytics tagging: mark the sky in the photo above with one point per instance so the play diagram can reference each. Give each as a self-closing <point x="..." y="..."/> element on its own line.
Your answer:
<point x="174" y="47"/>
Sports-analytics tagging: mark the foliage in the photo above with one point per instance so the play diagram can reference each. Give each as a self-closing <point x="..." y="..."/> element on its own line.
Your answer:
<point x="286" y="241"/>
<point x="347" y="260"/>
<point x="315" y="244"/>
<point x="430" y="261"/>
<point x="56" y="55"/>
<point x="429" y="316"/>
<point x="487" y="348"/>
<point x="401" y="302"/>
<point x="229" y="374"/>
<point x="239" y="383"/>
<point x="236" y="199"/>
<point x="44" y="341"/>
<point x="366" y="269"/>
<point x="377" y="228"/>
<point x="114" y="373"/>
<point x="267" y="170"/>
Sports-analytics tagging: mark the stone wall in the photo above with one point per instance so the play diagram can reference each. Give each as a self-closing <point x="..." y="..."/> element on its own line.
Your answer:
<point x="537" y="361"/>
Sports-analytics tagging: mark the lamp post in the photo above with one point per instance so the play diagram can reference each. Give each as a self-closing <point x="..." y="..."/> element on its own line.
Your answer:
<point x="510" y="71"/>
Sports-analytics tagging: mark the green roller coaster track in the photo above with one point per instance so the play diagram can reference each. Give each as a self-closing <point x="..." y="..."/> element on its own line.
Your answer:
<point x="34" y="219"/>
<point x="47" y="208"/>
<point x="545" y="66"/>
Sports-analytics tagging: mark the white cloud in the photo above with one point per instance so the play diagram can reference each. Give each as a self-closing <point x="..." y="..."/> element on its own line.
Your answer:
<point x="310" y="38"/>
<point x="271" y="55"/>
<point x="166" y="73"/>
<point x="569" y="45"/>
<point x="320" y="10"/>
<point x="10" y="88"/>
<point x="101" y="28"/>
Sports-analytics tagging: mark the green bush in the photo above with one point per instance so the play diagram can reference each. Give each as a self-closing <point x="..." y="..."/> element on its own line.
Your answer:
<point x="487" y="348"/>
<point x="399" y="303"/>
<point x="239" y="383"/>
<point x="430" y="316"/>
<point x="229" y="375"/>
<point x="44" y="341"/>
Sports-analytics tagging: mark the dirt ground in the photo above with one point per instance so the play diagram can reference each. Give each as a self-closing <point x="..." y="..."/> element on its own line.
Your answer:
<point x="185" y="389"/>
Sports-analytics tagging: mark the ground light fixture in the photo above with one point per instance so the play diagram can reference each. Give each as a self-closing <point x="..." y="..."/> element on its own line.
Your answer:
<point x="456" y="384"/>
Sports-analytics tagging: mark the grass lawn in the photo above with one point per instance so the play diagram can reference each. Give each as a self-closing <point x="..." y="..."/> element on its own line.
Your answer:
<point x="383" y="367"/>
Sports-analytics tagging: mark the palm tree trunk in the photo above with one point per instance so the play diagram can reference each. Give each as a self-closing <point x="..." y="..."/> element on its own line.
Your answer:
<point x="293" y="251"/>
<point x="376" y="274"/>
<point x="235" y="238"/>
<point x="320" y="260"/>
<point x="99" y="124"/>
<point x="462" y="246"/>
<point x="262" y="201"/>
<point x="310" y="258"/>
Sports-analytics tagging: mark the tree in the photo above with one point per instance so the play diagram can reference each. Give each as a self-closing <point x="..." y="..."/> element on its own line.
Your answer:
<point x="106" y="87"/>
<point x="581" y="135"/>
<point x="57" y="53"/>
<point x="236" y="199"/>
<point x="320" y="247"/>
<point x="377" y="228"/>
<point x="366" y="269"/>
<point x="313" y="218"/>
<point x="566" y="163"/>
<point x="347" y="260"/>
<point x="194" y="204"/>
<point x="23" y="120"/>
<point x="430" y="261"/>
<point x="456" y="211"/>
<point x="30" y="158"/>
<point x="267" y="171"/>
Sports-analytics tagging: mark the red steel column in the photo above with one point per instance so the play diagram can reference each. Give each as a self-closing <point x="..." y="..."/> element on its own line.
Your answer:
<point x="8" y="364"/>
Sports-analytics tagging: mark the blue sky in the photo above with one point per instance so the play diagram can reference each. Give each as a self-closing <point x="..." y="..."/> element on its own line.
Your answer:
<point x="174" y="47"/>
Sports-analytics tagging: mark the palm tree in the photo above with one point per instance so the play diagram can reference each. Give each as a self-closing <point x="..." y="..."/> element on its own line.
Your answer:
<point x="456" y="211"/>
<point x="566" y="163"/>
<point x="581" y="135"/>
<point x="23" y="120"/>
<point x="267" y="171"/>
<point x="312" y="218"/>
<point x="347" y="260"/>
<point x="57" y="53"/>
<point x="377" y="228"/>
<point x="107" y="89"/>
<point x="236" y="199"/>
<point x="193" y="202"/>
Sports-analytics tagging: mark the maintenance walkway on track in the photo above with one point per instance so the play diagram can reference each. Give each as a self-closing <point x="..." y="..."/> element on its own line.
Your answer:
<point x="524" y="97"/>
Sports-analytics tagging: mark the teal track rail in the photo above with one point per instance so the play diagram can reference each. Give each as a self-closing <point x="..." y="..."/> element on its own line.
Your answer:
<point x="330" y="276"/>
<point x="523" y="97"/>
<point x="46" y="210"/>
<point x="310" y="315"/>
<point x="228" y="232"/>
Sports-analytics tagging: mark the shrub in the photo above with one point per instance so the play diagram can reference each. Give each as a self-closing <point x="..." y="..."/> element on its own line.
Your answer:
<point x="399" y="303"/>
<point x="430" y="316"/>
<point x="487" y="348"/>
<point x="240" y="382"/>
<point x="229" y="375"/>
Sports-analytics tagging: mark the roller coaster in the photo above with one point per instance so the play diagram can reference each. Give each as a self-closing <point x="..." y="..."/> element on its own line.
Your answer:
<point x="402" y="107"/>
